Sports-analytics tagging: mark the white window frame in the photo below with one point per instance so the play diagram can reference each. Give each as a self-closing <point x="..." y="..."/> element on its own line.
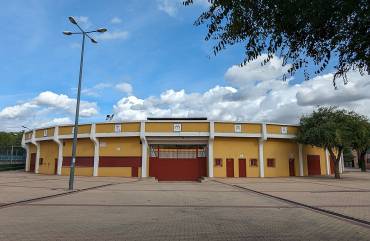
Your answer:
<point x="177" y="127"/>
<point x="117" y="128"/>
<point x="284" y="130"/>
<point x="237" y="128"/>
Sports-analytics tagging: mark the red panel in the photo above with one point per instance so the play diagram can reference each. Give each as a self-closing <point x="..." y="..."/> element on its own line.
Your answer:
<point x="172" y="169"/>
<point x="242" y="168"/>
<point x="81" y="161"/>
<point x="313" y="165"/>
<point x="134" y="171"/>
<point x="291" y="167"/>
<point x="125" y="161"/>
<point x="230" y="167"/>
<point x="55" y="165"/>
<point x="32" y="162"/>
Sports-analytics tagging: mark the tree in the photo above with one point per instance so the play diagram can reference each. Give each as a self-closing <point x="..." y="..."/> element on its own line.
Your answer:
<point x="299" y="31"/>
<point x="10" y="139"/>
<point x="360" y="138"/>
<point x="329" y="128"/>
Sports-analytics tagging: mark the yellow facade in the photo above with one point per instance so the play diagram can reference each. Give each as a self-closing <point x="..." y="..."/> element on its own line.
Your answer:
<point x="131" y="127"/>
<point x="49" y="131"/>
<point x="115" y="171"/>
<point x="85" y="147"/>
<point x="235" y="148"/>
<point x="79" y="171"/>
<point x="49" y="155"/>
<point x="67" y="130"/>
<point x="230" y="128"/>
<point x="185" y="127"/>
<point x="280" y="150"/>
<point x="276" y="129"/>
<point x="312" y="150"/>
<point x="120" y="146"/>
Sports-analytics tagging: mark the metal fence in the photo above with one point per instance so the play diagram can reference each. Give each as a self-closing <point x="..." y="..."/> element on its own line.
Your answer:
<point x="12" y="155"/>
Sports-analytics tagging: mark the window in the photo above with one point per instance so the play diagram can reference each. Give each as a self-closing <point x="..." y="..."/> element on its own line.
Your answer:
<point x="218" y="162"/>
<point x="117" y="128"/>
<point x="284" y="130"/>
<point x="41" y="161"/>
<point x="177" y="127"/>
<point x="368" y="160"/>
<point x="46" y="132"/>
<point x="253" y="162"/>
<point x="270" y="162"/>
<point x="238" y="128"/>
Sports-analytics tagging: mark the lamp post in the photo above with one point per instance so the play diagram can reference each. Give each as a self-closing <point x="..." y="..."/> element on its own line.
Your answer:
<point x="75" y="131"/>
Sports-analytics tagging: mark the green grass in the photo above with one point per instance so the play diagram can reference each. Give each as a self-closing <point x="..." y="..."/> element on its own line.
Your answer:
<point x="8" y="167"/>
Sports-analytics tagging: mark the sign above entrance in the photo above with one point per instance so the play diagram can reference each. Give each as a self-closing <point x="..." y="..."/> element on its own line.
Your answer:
<point x="177" y="127"/>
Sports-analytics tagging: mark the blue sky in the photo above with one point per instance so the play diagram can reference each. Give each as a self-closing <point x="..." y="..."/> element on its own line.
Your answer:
<point x="152" y="62"/>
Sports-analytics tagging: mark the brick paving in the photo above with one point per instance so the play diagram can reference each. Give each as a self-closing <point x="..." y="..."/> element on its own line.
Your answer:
<point x="147" y="210"/>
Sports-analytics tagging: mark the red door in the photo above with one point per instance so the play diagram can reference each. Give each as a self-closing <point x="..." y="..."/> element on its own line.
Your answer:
<point x="313" y="165"/>
<point x="230" y="167"/>
<point x="291" y="167"/>
<point x="55" y="166"/>
<point x="242" y="168"/>
<point x="32" y="162"/>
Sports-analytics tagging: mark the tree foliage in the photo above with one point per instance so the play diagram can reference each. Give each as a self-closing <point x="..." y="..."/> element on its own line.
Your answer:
<point x="360" y="138"/>
<point x="299" y="31"/>
<point x="333" y="129"/>
<point x="10" y="139"/>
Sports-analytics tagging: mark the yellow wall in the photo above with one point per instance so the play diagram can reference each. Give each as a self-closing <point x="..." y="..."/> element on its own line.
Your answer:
<point x="114" y="171"/>
<point x="67" y="130"/>
<point x="185" y="126"/>
<point x="49" y="152"/>
<point x="276" y="129"/>
<point x="281" y="151"/>
<point x="79" y="171"/>
<point x="131" y="127"/>
<point x="226" y="147"/>
<point x="120" y="146"/>
<point x="40" y="133"/>
<point x="104" y="128"/>
<point x="312" y="150"/>
<point x="229" y="127"/>
<point x="85" y="147"/>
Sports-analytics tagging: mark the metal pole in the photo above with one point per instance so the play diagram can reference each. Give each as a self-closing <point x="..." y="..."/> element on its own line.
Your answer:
<point x="74" y="145"/>
<point x="11" y="156"/>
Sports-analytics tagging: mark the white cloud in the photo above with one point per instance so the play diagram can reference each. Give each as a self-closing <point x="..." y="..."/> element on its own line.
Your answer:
<point x="169" y="6"/>
<point x="125" y="88"/>
<point x="96" y="89"/>
<point x="47" y="107"/>
<point x="115" y="35"/>
<point x="257" y="93"/>
<point x="116" y="20"/>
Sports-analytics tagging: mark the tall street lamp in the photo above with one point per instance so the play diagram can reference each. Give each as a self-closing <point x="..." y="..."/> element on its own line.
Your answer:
<point x="75" y="131"/>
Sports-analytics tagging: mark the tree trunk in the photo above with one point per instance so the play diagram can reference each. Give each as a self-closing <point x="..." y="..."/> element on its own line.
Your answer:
<point x="336" y="159"/>
<point x="362" y="160"/>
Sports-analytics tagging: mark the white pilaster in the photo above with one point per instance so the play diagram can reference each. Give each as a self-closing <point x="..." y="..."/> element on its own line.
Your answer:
<point x="264" y="131"/>
<point x="25" y="146"/>
<point x="37" y="144"/>
<point x="60" y="150"/>
<point x="300" y="159"/>
<point x="144" y="150"/>
<point x="96" y="149"/>
<point x="341" y="163"/>
<point x="210" y="147"/>
<point x="260" y="157"/>
<point x="327" y="159"/>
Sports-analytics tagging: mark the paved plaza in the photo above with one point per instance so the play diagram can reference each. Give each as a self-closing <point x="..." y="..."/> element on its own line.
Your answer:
<point x="217" y="209"/>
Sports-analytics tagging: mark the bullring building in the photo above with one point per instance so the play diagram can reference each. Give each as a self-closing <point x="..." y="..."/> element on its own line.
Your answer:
<point x="175" y="149"/>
